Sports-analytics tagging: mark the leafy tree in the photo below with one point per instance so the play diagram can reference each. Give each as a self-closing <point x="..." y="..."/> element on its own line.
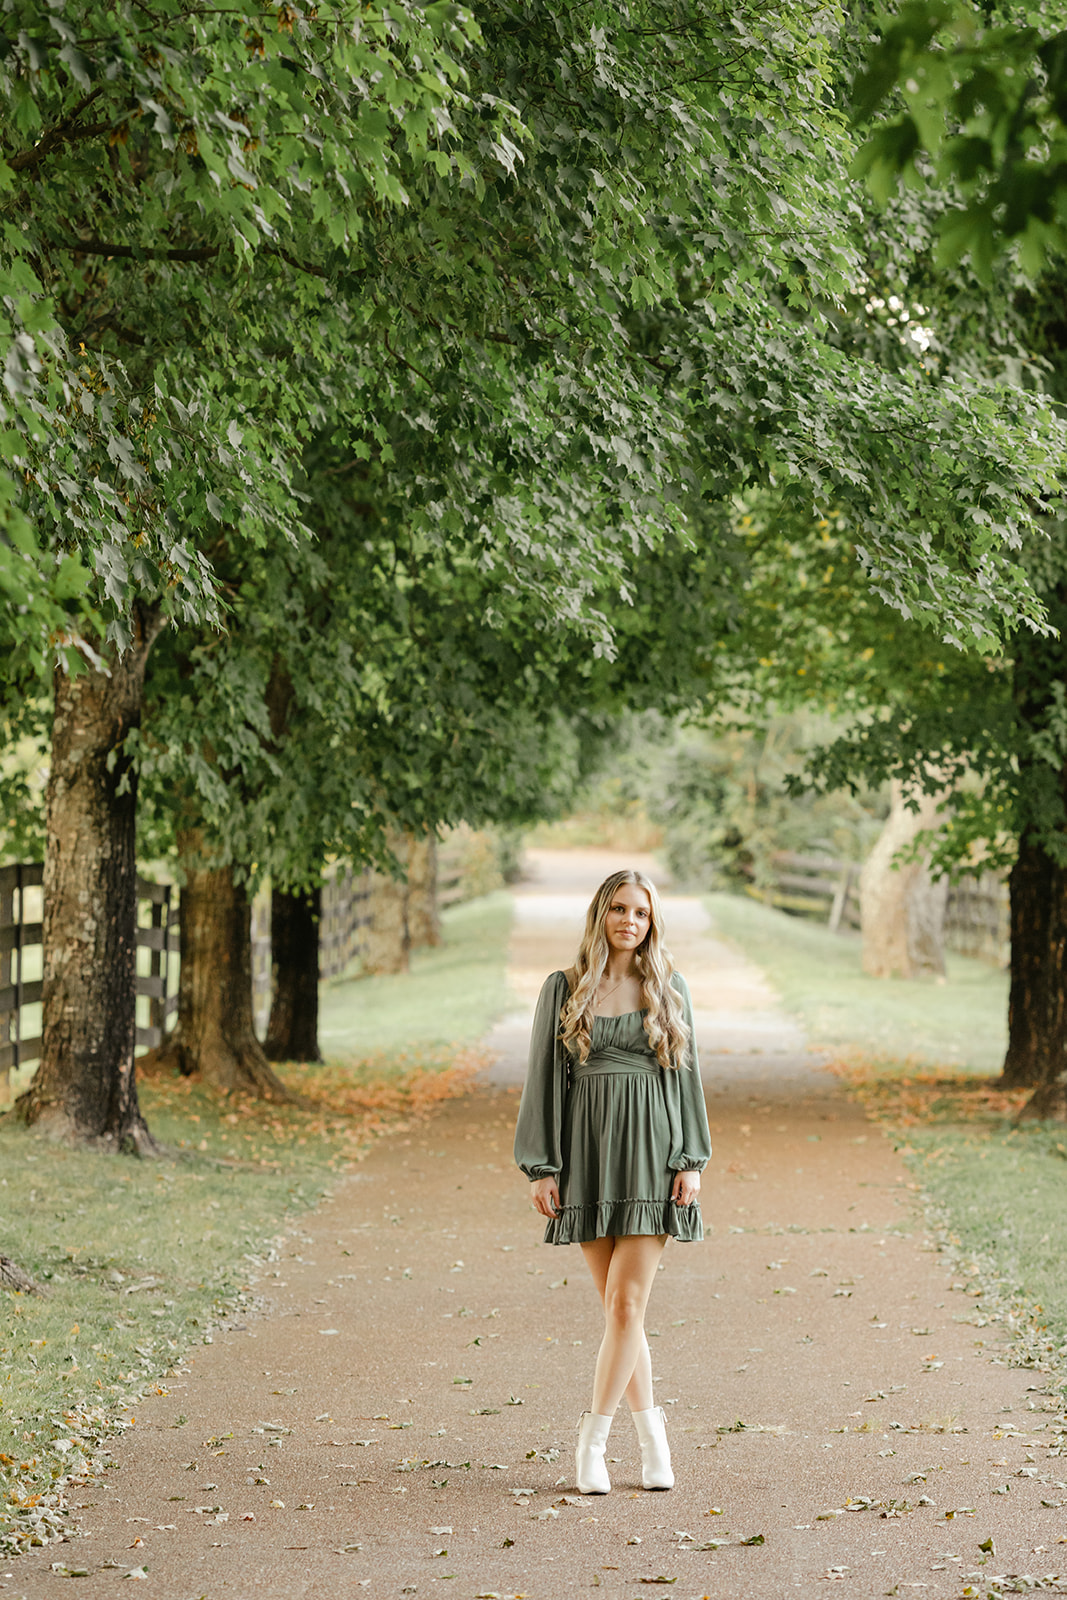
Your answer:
<point x="605" y="278"/>
<point x="971" y="105"/>
<point x="154" y="165"/>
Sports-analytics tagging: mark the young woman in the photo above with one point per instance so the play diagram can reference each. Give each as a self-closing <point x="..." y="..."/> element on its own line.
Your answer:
<point x="613" y="1136"/>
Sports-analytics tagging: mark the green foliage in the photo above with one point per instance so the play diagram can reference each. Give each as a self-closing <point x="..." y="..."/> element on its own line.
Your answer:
<point x="983" y="90"/>
<point x="717" y="800"/>
<point x="728" y="808"/>
<point x="406" y="343"/>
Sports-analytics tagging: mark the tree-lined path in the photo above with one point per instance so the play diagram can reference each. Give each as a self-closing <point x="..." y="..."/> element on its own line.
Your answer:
<point x="400" y="1419"/>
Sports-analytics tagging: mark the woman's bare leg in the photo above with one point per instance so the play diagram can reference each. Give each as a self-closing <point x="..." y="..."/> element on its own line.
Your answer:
<point x="638" y="1393"/>
<point x="623" y="1270"/>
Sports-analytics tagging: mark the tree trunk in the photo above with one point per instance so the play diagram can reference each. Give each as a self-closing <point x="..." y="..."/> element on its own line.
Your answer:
<point x="84" y="1089"/>
<point x="1037" y="1003"/>
<point x="424" y="919"/>
<point x="214" y="1036"/>
<point x="902" y="909"/>
<point x="293" y="1030"/>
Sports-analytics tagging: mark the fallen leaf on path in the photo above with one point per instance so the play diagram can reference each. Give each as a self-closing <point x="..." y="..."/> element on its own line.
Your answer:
<point x="754" y="1538"/>
<point x="544" y="1516"/>
<point x="660" y="1579"/>
<point x="137" y="1572"/>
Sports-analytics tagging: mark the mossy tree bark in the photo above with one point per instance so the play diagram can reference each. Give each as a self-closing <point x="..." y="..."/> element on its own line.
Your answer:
<point x="293" y="1030"/>
<point x="214" y="1036"/>
<point x="84" y="1090"/>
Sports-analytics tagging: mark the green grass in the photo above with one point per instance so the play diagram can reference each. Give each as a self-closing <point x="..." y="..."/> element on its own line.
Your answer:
<point x="140" y="1258"/>
<point x="961" y="1023"/>
<point x="452" y="994"/>
<point x="1004" y="1191"/>
<point x="923" y="1058"/>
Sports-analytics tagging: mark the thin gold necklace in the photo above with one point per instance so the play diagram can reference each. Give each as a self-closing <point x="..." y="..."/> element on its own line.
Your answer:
<point x="600" y="998"/>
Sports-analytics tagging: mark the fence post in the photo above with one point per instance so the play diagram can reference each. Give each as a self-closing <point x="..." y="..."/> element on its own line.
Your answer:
<point x="7" y="1014"/>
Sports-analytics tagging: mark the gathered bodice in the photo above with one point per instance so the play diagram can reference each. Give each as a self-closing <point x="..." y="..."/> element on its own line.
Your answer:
<point x="618" y="1044"/>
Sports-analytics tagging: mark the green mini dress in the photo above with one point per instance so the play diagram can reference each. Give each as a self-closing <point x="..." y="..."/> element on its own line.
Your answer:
<point x="614" y="1129"/>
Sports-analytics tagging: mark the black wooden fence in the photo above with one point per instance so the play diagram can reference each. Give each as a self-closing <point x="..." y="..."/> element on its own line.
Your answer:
<point x="20" y="949"/>
<point x="345" y="915"/>
<point x="21" y="916"/>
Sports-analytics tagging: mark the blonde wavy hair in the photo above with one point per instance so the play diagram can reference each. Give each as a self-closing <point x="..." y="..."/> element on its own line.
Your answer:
<point x="665" y="1024"/>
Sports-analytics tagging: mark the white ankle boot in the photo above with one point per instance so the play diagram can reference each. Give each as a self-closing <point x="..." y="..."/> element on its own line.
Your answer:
<point x="655" y="1455"/>
<point x="591" y="1474"/>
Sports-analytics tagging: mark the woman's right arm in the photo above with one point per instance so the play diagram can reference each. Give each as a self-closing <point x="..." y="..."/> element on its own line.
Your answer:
<point x="539" y="1127"/>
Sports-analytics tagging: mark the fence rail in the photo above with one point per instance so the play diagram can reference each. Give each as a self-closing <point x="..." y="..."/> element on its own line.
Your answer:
<point x="160" y="938"/>
<point x="21" y="932"/>
<point x="977" y="913"/>
<point x="19" y="936"/>
<point x="815" y="885"/>
<point x="344" y="918"/>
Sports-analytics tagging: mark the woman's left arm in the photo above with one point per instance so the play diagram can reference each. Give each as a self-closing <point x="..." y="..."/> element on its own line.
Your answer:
<point x="689" y="1162"/>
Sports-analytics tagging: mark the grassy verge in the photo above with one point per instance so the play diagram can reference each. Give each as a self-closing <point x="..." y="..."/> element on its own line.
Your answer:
<point x="453" y="992"/>
<point x="923" y="1058"/>
<point x="960" y="1023"/>
<point x="140" y="1259"/>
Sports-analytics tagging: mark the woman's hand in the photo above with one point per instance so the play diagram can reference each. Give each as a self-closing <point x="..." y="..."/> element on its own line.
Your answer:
<point x="686" y="1188"/>
<point x="545" y="1195"/>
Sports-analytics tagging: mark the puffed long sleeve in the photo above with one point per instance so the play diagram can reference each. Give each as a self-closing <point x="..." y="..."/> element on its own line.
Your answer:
<point x="539" y="1127"/>
<point x="686" y="1107"/>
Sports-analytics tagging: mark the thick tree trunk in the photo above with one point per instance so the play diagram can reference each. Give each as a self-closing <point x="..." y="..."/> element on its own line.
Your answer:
<point x="293" y="1030"/>
<point x="902" y="909"/>
<point x="424" y="918"/>
<point x="214" y="1036"/>
<point x="1037" y="1003"/>
<point x="84" y="1089"/>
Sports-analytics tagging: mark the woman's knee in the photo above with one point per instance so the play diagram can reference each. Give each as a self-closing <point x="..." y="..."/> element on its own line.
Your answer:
<point x="625" y="1304"/>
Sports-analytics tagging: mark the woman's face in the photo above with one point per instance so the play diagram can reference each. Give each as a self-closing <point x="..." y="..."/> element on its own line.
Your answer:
<point x="629" y="917"/>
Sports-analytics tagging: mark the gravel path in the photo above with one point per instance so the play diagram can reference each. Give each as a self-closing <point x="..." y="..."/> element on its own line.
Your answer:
<point x="401" y="1421"/>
